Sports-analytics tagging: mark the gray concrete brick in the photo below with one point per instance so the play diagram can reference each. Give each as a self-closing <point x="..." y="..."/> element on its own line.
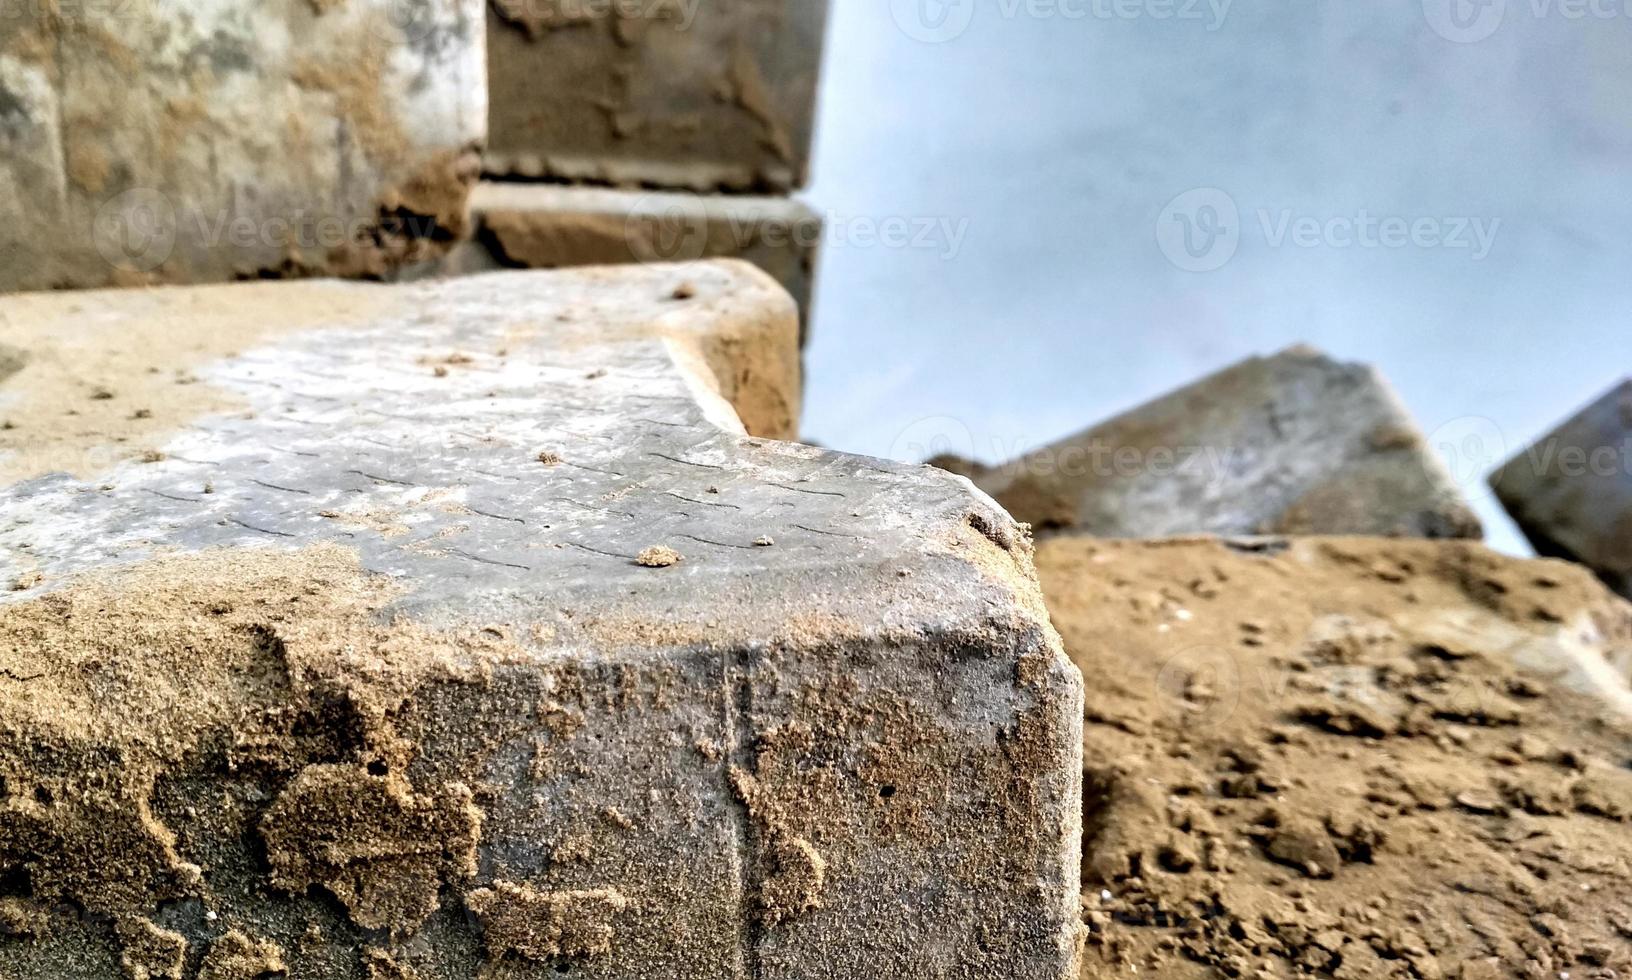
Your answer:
<point x="1571" y="492"/>
<point x="147" y="141"/>
<point x="667" y="93"/>
<point x="366" y="669"/>
<point x="548" y="226"/>
<point x="1296" y="443"/>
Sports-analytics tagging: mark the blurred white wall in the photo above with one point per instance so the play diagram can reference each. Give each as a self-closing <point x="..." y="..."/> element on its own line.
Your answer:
<point x="1007" y="260"/>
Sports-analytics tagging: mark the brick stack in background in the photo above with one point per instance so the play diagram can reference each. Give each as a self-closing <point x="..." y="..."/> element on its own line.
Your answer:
<point x="658" y="130"/>
<point x="240" y="141"/>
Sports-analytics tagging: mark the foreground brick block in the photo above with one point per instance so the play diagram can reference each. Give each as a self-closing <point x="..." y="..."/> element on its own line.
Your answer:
<point x="143" y="142"/>
<point x="1292" y="444"/>
<point x="546" y="226"/>
<point x="1571" y="492"/>
<point x="670" y="93"/>
<point x="457" y="630"/>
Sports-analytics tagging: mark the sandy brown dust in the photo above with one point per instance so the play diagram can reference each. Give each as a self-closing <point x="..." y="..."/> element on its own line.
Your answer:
<point x="1321" y="760"/>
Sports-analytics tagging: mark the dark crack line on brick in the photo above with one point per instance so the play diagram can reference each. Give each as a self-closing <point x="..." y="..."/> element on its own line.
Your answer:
<point x="817" y="530"/>
<point x="487" y="561"/>
<point x="497" y="476"/>
<point x="599" y="510"/>
<point x="814" y="493"/>
<point x="194" y="462"/>
<point x="593" y="469"/>
<point x="294" y="452"/>
<point x="719" y="544"/>
<point x="597" y="551"/>
<point x="705" y="503"/>
<point x="171" y="496"/>
<point x="19" y="678"/>
<point x="274" y="486"/>
<point x="686" y="462"/>
<point x="739" y="724"/>
<point x="379" y="479"/>
<point x="258" y="530"/>
<point x="415" y="419"/>
<point x="496" y="517"/>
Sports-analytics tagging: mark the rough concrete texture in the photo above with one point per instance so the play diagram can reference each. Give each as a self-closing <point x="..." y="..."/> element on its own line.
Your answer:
<point x="547" y="226"/>
<point x="670" y="93"/>
<point x="147" y="141"/>
<point x="1353" y="758"/>
<point x="1571" y="492"/>
<point x="466" y="635"/>
<point x="1296" y="443"/>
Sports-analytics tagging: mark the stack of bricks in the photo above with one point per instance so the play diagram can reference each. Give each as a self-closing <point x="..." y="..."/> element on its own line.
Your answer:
<point x="294" y="138"/>
<point x="649" y="130"/>
<point x="145" y="143"/>
<point x="477" y="627"/>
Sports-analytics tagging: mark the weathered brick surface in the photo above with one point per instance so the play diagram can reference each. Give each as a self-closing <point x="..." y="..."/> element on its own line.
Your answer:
<point x="1292" y="444"/>
<point x="466" y="634"/>
<point x="145" y="140"/>
<point x="1571" y="492"/>
<point x="700" y="96"/>
<point x="547" y="226"/>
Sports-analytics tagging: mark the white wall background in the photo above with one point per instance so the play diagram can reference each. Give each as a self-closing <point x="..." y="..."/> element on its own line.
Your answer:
<point x="1029" y="151"/>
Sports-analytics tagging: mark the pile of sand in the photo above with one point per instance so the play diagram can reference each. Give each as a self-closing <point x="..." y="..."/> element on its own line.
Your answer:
<point x="1325" y="758"/>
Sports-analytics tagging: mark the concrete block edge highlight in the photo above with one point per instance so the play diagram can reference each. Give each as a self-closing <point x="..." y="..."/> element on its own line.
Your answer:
<point x="1293" y="443"/>
<point x="1570" y="492"/>
<point x="549" y="226"/>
